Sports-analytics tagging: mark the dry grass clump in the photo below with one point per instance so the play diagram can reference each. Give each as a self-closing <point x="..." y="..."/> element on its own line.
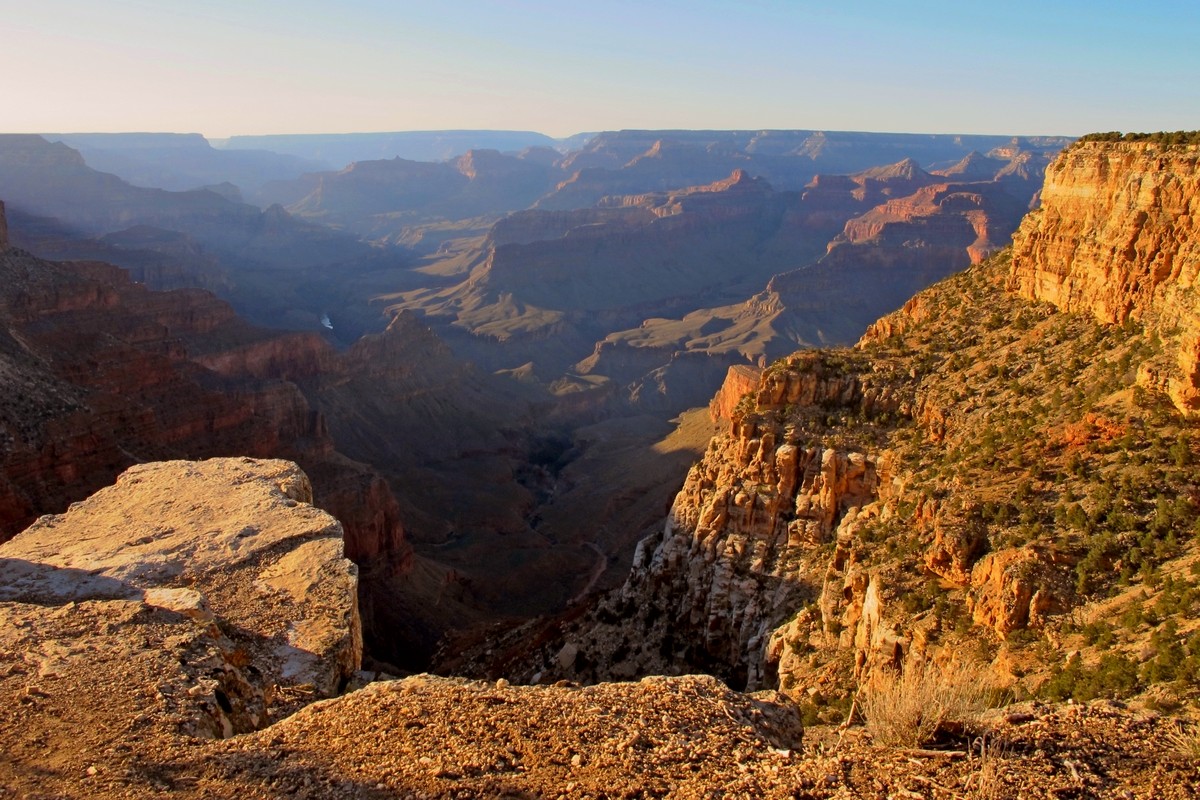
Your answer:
<point x="907" y="709"/>
<point x="1185" y="740"/>
<point x="987" y="781"/>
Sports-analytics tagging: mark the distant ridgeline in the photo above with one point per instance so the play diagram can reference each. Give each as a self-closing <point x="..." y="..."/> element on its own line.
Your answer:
<point x="1161" y="137"/>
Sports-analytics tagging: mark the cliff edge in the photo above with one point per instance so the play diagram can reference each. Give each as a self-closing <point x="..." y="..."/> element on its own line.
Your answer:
<point x="199" y="599"/>
<point x="984" y="482"/>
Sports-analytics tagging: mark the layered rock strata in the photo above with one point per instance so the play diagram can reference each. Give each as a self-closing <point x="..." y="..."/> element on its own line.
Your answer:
<point x="1116" y="237"/>
<point x="181" y="615"/>
<point x="107" y="373"/>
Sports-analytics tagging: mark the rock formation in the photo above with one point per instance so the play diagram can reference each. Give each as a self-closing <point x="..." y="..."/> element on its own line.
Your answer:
<point x="890" y="231"/>
<point x="107" y="373"/>
<point x="1117" y="237"/>
<point x="945" y="492"/>
<point x="112" y="373"/>
<point x="740" y="381"/>
<point x="630" y="162"/>
<point x="202" y="601"/>
<point x="224" y="562"/>
<point x="382" y="199"/>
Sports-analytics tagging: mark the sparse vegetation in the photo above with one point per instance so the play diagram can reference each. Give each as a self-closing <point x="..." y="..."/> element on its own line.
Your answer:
<point x="1185" y="740"/>
<point x="1114" y="677"/>
<point x="1159" y="137"/>
<point x="1035" y="421"/>
<point x="907" y="709"/>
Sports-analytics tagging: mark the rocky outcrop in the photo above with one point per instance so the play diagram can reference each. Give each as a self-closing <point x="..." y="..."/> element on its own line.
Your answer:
<point x="741" y="546"/>
<point x="1117" y="237"/>
<point x="958" y="542"/>
<point x="1019" y="588"/>
<point x="740" y="380"/>
<point x="225" y="558"/>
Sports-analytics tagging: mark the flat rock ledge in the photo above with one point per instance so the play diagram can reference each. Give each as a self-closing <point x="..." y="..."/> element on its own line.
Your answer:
<point x="208" y="597"/>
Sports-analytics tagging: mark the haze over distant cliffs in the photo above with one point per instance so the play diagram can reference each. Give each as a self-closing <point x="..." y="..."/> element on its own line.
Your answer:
<point x="653" y="294"/>
<point x="181" y="161"/>
<point x="991" y="495"/>
<point x="338" y="149"/>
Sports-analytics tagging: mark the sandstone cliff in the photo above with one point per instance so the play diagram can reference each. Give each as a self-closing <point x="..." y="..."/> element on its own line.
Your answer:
<point x="1117" y="237"/>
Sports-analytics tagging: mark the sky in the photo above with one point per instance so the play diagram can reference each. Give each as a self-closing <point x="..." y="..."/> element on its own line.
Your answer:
<point x="225" y="67"/>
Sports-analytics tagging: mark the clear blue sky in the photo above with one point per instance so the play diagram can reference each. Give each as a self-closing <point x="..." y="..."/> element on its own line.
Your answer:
<point x="222" y="67"/>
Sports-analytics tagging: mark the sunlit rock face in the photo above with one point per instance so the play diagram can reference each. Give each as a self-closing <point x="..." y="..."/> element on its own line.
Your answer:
<point x="1117" y="237"/>
<point x="226" y="560"/>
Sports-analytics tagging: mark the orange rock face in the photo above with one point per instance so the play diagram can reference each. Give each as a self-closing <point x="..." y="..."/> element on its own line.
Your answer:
<point x="1118" y="236"/>
<point x="1017" y="588"/>
<point x="741" y="378"/>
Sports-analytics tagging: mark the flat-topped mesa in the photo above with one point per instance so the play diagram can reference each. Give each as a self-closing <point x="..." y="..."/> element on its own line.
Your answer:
<point x="1118" y="236"/>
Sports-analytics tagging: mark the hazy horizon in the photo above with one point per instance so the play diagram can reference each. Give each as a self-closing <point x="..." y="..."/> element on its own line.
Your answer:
<point x="276" y="68"/>
<point x="595" y="132"/>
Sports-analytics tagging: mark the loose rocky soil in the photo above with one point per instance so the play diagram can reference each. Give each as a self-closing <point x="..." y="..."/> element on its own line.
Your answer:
<point x="689" y="737"/>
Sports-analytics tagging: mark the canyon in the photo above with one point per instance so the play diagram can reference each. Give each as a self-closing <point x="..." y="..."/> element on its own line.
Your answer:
<point x="212" y="602"/>
<point x="500" y="456"/>
<point x="995" y="472"/>
<point x="984" y="478"/>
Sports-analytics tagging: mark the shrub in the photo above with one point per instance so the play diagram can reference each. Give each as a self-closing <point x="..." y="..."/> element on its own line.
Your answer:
<point x="1185" y="740"/>
<point x="906" y="709"/>
<point x="1114" y="677"/>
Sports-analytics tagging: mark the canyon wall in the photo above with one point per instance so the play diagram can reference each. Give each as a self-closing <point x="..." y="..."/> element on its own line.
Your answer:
<point x="937" y="492"/>
<point x="106" y="373"/>
<point x="1116" y="237"/>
